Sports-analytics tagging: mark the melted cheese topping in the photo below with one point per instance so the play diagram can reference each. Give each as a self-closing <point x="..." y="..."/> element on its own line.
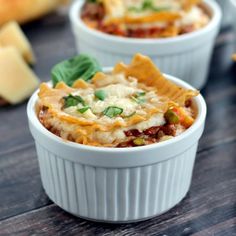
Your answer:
<point x="121" y="95"/>
<point x="195" y="17"/>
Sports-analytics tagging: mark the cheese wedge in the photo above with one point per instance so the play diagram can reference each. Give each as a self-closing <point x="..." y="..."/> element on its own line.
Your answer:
<point x="24" y="11"/>
<point x="12" y="35"/>
<point x="17" y="81"/>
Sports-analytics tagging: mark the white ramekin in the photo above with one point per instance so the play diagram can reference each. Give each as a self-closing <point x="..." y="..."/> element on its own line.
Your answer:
<point x="228" y="16"/>
<point x="186" y="56"/>
<point x="233" y="3"/>
<point x="117" y="184"/>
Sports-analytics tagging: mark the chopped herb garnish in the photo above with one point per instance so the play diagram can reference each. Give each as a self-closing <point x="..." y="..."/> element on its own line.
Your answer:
<point x="128" y="116"/>
<point x="72" y="100"/>
<point x="112" y="111"/>
<point x="148" y="5"/>
<point x="139" y="97"/>
<point x="83" y="109"/>
<point x="100" y="94"/>
<point x="172" y="117"/>
<point x="140" y="94"/>
<point x="139" y="141"/>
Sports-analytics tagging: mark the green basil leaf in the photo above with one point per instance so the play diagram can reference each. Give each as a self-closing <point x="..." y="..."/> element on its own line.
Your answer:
<point x="112" y="111"/>
<point x="72" y="100"/>
<point x="100" y="94"/>
<point x="79" y="67"/>
<point x="83" y="109"/>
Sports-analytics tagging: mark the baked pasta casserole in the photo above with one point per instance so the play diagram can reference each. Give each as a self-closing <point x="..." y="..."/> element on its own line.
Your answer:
<point x="133" y="105"/>
<point x="145" y="18"/>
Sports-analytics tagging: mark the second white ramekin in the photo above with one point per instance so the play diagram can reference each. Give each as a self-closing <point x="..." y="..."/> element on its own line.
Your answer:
<point x="228" y="14"/>
<point x="117" y="184"/>
<point x="186" y="56"/>
<point x="233" y="3"/>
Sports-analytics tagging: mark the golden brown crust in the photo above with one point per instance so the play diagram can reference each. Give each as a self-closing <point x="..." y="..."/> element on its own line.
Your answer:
<point x="142" y="68"/>
<point x="25" y="10"/>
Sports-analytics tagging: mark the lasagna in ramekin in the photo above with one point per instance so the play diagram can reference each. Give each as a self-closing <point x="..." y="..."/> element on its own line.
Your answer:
<point x="133" y="105"/>
<point x="145" y="18"/>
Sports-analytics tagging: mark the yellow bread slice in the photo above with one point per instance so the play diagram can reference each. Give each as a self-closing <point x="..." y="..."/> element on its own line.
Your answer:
<point x="12" y="35"/>
<point x="17" y="80"/>
<point x="26" y="10"/>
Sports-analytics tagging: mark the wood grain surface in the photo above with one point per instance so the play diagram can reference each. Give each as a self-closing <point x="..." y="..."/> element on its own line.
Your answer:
<point x="208" y="209"/>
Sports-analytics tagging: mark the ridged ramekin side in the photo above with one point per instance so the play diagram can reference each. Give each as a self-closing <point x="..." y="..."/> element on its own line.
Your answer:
<point x="116" y="194"/>
<point x="186" y="56"/>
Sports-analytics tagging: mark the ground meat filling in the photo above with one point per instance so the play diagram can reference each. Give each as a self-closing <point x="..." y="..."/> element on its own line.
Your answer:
<point x="93" y="11"/>
<point x="42" y="116"/>
<point x="151" y="135"/>
<point x="135" y="137"/>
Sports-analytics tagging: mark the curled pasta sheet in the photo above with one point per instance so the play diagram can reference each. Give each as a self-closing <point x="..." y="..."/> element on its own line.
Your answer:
<point x="147" y="73"/>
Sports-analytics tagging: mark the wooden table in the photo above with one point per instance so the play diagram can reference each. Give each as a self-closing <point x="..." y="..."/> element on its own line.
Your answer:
<point x="208" y="209"/>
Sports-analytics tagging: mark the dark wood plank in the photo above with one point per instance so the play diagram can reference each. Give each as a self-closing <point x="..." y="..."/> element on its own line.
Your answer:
<point x="210" y="202"/>
<point x="20" y="185"/>
<point x="13" y="128"/>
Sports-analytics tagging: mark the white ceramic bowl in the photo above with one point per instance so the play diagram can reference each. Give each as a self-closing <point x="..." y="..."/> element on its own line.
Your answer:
<point x="186" y="56"/>
<point x="117" y="184"/>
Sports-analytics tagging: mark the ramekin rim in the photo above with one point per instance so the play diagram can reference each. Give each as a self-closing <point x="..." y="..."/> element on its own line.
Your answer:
<point x="233" y="3"/>
<point x="201" y="107"/>
<point x="76" y="20"/>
